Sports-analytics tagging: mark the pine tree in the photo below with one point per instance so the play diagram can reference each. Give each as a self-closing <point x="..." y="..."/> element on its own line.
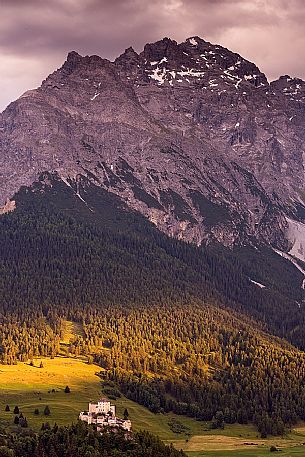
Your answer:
<point x="23" y="422"/>
<point x="47" y="411"/>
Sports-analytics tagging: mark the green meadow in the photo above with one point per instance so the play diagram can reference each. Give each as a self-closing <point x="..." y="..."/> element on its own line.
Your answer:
<point x="31" y="387"/>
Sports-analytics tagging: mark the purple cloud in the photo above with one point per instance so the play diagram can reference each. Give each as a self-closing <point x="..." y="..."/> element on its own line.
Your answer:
<point x="35" y="36"/>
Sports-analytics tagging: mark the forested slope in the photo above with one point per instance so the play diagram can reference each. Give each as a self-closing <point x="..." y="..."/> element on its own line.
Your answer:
<point x="177" y="327"/>
<point x="80" y="440"/>
<point x="59" y="251"/>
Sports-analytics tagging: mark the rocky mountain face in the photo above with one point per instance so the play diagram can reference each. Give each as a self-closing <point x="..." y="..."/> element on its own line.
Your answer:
<point x="191" y="135"/>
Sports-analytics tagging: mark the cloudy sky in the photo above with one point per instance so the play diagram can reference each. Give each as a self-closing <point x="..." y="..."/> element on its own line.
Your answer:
<point x="36" y="35"/>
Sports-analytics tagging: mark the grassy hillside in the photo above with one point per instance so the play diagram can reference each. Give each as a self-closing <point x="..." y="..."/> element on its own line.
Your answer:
<point x="31" y="387"/>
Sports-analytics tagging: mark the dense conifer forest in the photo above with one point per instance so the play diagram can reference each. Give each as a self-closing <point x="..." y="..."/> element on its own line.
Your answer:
<point x="79" y="440"/>
<point x="177" y="327"/>
<point x="205" y="363"/>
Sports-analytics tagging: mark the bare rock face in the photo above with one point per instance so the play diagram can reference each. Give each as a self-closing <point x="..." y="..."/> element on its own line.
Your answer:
<point x="8" y="207"/>
<point x="191" y="135"/>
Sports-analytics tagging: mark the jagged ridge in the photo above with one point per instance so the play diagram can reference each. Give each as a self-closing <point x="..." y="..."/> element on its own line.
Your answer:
<point x="191" y="135"/>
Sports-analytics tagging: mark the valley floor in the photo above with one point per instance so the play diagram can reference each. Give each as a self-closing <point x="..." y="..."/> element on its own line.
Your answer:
<point x="32" y="387"/>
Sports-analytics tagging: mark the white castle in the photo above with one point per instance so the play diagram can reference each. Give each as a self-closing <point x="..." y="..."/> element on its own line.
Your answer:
<point x="102" y="414"/>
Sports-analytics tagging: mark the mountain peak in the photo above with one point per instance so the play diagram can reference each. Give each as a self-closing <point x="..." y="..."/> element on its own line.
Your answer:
<point x="167" y="40"/>
<point x="165" y="129"/>
<point x="73" y="56"/>
<point x="292" y="88"/>
<point x="192" y="62"/>
<point x="194" y="40"/>
<point x="130" y="50"/>
<point x="129" y="54"/>
<point x="162" y="48"/>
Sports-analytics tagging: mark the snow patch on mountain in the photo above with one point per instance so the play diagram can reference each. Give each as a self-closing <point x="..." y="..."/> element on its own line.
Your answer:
<point x="193" y="41"/>
<point x="94" y="96"/>
<point x="296" y="235"/>
<point x="293" y="261"/>
<point x="258" y="284"/>
<point x="162" y="74"/>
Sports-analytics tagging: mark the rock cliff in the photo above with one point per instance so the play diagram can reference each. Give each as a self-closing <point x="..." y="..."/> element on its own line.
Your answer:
<point x="191" y="135"/>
